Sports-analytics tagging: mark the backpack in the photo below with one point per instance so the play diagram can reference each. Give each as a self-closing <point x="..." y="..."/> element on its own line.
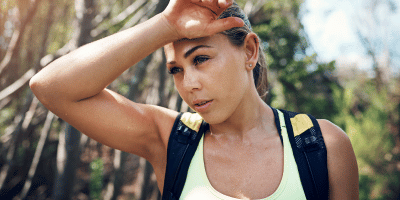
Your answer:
<point x="304" y="135"/>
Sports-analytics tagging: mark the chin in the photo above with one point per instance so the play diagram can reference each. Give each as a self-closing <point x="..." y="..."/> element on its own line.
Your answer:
<point x="212" y="118"/>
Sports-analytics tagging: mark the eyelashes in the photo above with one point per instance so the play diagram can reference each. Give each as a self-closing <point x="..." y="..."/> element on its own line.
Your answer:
<point x="200" y="59"/>
<point x="174" y="70"/>
<point x="197" y="60"/>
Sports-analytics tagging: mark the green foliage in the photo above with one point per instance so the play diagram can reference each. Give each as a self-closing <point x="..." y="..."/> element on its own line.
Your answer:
<point x="6" y="116"/>
<point x="123" y="89"/>
<point x="96" y="178"/>
<point x="7" y="5"/>
<point x="364" y="114"/>
<point x="61" y="31"/>
<point x="365" y="186"/>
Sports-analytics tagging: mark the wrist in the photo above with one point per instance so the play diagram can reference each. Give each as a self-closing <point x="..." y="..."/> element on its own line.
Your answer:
<point x="171" y="31"/>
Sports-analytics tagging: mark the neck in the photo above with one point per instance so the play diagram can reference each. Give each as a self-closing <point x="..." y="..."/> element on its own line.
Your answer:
<point x="252" y="116"/>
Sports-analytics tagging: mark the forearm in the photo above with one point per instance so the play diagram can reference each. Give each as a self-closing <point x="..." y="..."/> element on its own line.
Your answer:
<point x="88" y="70"/>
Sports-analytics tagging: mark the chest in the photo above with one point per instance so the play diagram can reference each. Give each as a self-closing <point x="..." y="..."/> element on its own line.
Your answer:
<point x="244" y="171"/>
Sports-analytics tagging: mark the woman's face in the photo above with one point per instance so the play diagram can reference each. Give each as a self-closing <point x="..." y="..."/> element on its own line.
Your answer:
<point x="210" y="75"/>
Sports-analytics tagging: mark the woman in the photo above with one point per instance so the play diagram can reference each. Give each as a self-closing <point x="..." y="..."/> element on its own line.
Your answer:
<point x="214" y="76"/>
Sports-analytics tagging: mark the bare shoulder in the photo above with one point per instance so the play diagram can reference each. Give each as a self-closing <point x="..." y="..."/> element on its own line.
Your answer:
<point x="333" y="134"/>
<point x="342" y="163"/>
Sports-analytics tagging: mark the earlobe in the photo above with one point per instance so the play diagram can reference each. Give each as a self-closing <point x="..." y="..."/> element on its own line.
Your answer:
<point x="249" y="66"/>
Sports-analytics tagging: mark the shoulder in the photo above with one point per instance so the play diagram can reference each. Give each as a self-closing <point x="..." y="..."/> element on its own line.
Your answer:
<point x="333" y="135"/>
<point x="342" y="164"/>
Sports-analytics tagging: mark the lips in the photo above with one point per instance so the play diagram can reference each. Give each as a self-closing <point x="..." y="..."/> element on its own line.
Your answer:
<point x="202" y="105"/>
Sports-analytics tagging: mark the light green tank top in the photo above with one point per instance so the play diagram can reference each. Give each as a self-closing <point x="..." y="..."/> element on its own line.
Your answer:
<point x="197" y="185"/>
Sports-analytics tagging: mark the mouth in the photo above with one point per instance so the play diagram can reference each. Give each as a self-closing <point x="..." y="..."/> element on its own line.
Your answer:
<point x="202" y="105"/>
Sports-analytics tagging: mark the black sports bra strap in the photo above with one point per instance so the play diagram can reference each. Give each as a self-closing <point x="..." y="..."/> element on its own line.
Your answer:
<point x="277" y="123"/>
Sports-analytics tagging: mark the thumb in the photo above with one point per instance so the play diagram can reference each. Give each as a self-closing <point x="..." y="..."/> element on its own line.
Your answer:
<point x="224" y="24"/>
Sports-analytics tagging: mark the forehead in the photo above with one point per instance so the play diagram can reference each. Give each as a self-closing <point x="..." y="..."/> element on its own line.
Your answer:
<point x="180" y="47"/>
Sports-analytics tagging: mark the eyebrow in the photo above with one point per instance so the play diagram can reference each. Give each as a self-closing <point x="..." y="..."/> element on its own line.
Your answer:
<point x="187" y="54"/>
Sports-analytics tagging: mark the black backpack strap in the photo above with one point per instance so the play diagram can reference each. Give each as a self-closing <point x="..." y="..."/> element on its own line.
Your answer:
<point x="182" y="145"/>
<point x="310" y="153"/>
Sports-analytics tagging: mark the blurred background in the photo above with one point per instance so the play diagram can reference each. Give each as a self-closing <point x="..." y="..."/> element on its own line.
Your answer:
<point x="334" y="59"/>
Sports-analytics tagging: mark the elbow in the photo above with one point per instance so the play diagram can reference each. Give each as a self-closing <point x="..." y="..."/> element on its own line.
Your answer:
<point x="49" y="90"/>
<point x="34" y="85"/>
<point x="38" y="87"/>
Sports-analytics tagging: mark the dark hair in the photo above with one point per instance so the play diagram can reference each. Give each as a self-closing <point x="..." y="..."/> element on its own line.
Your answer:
<point x="237" y="35"/>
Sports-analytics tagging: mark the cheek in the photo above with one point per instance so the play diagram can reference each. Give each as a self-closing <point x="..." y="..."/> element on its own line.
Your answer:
<point x="179" y="87"/>
<point x="233" y="75"/>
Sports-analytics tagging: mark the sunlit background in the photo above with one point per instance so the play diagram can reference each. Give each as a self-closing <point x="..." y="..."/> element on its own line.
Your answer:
<point x="344" y="30"/>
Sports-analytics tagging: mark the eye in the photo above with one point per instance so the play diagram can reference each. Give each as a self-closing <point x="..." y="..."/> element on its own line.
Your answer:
<point x="200" y="59"/>
<point x="174" y="70"/>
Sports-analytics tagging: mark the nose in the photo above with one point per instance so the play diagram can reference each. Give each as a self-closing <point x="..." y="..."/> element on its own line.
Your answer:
<point x="191" y="80"/>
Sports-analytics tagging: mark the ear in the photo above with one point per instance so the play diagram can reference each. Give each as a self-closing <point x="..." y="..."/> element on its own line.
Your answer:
<point x="251" y="45"/>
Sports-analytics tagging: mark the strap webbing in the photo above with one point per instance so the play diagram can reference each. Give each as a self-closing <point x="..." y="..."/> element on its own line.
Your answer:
<point x="311" y="158"/>
<point x="182" y="145"/>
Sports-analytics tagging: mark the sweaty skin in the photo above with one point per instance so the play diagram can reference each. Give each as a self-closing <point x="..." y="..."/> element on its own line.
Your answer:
<point x="212" y="76"/>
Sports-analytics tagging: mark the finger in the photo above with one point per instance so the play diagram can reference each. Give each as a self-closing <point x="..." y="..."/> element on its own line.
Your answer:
<point x="205" y="3"/>
<point x="225" y="3"/>
<point x="209" y="4"/>
<point x="224" y="24"/>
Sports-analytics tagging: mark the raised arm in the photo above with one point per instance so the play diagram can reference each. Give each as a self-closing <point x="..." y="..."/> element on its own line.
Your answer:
<point x="73" y="87"/>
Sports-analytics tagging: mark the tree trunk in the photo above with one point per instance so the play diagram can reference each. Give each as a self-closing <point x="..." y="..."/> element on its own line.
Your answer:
<point x="116" y="181"/>
<point x="144" y="180"/>
<point x="16" y="38"/>
<point x="17" y="136"/>
<point x="67" y="161"/>
<point x="36" y="158"/>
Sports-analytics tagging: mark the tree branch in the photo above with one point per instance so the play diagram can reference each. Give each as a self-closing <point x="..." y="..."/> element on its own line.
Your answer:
<point x="4" y="102"/>
<point x="17" y="84"/>
<point x="104" y="14"/>
<point x="142" y="14"/>
<point x="119" y="18"/>
<point x="251" y="8"/>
